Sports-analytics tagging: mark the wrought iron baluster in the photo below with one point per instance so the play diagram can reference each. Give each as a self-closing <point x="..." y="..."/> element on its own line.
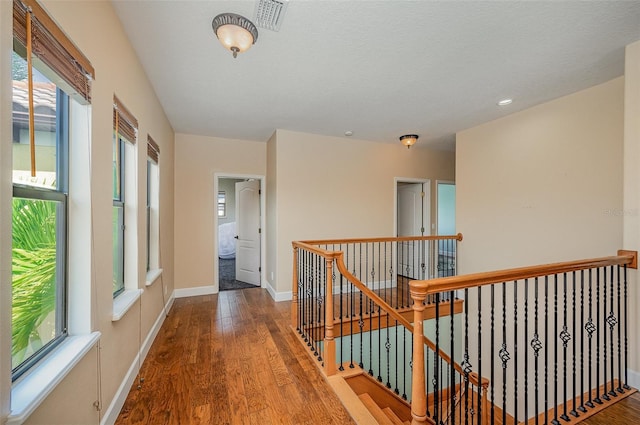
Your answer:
<point x="536" y="345"/>
<point x="503" y="353"/>
<point x="492" y="355"/>
<point x="436" y="364"/>
<point x="565" y="337"/>
<point x="619" y="389"/>
<point x="626" y="339"/>
<point x="604" y="335"/>
<point x="582" y="389"/>
<point x="466" y="366"/>
<point x="590" y="328"/>
<point x="479" y="348"/>
<point x="546" y="350"/>
<point x="515" y="350"/>
<point x="597" y="318"/>
<point x="574" y="412"/>
<point x="612" y="321"/>
<point x="452" y="391"/>
<point x="555" y="351"/>
<point x="526" y="352"/>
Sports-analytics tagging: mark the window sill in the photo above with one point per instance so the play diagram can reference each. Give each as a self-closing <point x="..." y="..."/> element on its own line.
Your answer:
<point x="33" y="388"/>
<point x="123" y="302"/>
<point x="152" y="276"/>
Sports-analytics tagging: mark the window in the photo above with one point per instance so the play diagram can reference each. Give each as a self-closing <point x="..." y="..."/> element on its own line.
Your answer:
<point x="40" y="156"/>
<point x="118" y="214"/>
<point x="153" y="194"/>
<point x="124" y="136"/>
<point x="222" y="204"/>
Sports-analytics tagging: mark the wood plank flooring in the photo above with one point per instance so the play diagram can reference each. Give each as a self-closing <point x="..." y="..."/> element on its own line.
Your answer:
<point x="230" y="358"/>
<point x="624" y="412"/>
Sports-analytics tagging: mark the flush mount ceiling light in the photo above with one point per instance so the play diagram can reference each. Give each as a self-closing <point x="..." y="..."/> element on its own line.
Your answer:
<point x="505" y="102"/>
<point x="235" y="32"/>
<point x="408" y="140"/>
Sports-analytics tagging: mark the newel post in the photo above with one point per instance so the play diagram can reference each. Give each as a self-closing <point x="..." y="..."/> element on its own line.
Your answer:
<point x="294" y="291"/>
<point x="418" y="386"/>
<point x="329" y="342"/>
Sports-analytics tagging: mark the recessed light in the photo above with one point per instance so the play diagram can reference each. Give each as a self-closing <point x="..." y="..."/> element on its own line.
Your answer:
<point x="348" y="133"/>
<point x="505" y="102"/>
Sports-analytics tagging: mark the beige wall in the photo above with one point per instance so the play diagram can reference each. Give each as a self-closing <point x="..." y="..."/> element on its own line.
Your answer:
<point x="198" y="159"/>
<point x="631" y="219"/>
<point x="544" y="184"/>
<point x="332" y="187"/>
<point x="96" y="30"/>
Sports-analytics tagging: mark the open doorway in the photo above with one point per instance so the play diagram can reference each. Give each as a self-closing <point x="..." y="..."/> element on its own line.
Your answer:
<point x="413" y="218"/>
<point x="239" y="232"/>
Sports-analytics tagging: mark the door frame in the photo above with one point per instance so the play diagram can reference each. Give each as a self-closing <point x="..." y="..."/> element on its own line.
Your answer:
<point x="437" y="201"/>
<point x="426" y="206"/>
<point x="263" y="223"/>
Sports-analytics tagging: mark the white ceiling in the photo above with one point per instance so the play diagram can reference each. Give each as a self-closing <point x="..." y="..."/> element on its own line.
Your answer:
<point x="378" y="68"/>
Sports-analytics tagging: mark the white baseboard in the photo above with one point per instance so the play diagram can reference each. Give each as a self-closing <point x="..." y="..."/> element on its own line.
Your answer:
<point x="111" y="414"/>
<point x="194" y="292"/>
<point x="634" y="378"/>
<point x="279" y="296"/>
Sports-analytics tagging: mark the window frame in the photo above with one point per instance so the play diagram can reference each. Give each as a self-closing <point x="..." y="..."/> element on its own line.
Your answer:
<point x="119" y="205"/>
<point x="60" y="195"/>
<point x="222" y="204"/>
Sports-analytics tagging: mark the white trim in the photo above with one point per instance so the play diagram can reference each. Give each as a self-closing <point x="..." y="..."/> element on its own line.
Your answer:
<point x="32" y="389"/>
<point x="111" y="414"/>
<point x="634" y="378"/>
<point x="152" y="276"/>
<point x="194" y="292"/>
<point x="123" y="302"/>
<point x="279" y="296"/>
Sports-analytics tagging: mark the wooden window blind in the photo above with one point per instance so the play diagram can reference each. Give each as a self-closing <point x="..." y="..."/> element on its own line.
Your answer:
<point x="153" y="150"/>
<point x="52" y="47"/>
<point x="124" y="123"/>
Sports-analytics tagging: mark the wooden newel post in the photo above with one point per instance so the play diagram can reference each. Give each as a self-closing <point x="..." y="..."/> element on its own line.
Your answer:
<point x="294" y="291"/>
<point x="418" y="386"/>
<point x="329" y="342"/>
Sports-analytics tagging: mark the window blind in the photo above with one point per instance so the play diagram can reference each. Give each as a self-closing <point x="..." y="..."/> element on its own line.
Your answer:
<point x="52" y="47"/>
<point x="153" y="150"/>
<point x="124" y="122"/>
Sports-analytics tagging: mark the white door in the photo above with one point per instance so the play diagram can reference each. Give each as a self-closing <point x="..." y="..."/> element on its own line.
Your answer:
<point x="248" y="228"/>
<point x="412" y="205"/>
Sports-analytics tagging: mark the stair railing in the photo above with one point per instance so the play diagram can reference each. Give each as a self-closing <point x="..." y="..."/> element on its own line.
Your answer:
<point x="552" y="340"/>
<point x="371" y="307"/>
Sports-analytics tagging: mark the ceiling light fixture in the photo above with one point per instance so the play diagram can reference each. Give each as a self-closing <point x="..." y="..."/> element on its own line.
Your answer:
<point x="408" y="140"/>
<point x="505" y="102"/>
<point x="235" y="32"/>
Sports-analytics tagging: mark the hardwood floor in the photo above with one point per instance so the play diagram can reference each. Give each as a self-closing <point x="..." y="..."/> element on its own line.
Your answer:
<point x="626" y="411"/>
<point x="230" y="359"/>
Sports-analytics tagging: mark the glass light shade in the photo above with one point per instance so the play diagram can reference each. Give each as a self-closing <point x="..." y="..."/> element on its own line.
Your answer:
<point x="232" y="36"/>
<point x="235" y="32"/>
<point x="409" y="139"/>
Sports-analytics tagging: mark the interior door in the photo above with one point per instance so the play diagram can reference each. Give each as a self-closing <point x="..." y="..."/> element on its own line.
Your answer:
<point x="248" y="228"/>
<point x="412" y="258"/>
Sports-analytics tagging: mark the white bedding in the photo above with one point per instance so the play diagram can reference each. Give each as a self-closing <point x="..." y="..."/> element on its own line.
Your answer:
<point x="226" y="241"/>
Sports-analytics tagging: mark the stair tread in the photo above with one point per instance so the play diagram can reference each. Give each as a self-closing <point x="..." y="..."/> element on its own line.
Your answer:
<point x="392" y="416"/>
<point x="375" y="410"/>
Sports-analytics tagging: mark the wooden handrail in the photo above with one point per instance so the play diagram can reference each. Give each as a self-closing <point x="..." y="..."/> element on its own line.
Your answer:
<point x="454" y="283"/>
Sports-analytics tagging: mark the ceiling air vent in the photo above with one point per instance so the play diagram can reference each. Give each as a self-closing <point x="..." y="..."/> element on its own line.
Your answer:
<point x="270" y="13"/>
